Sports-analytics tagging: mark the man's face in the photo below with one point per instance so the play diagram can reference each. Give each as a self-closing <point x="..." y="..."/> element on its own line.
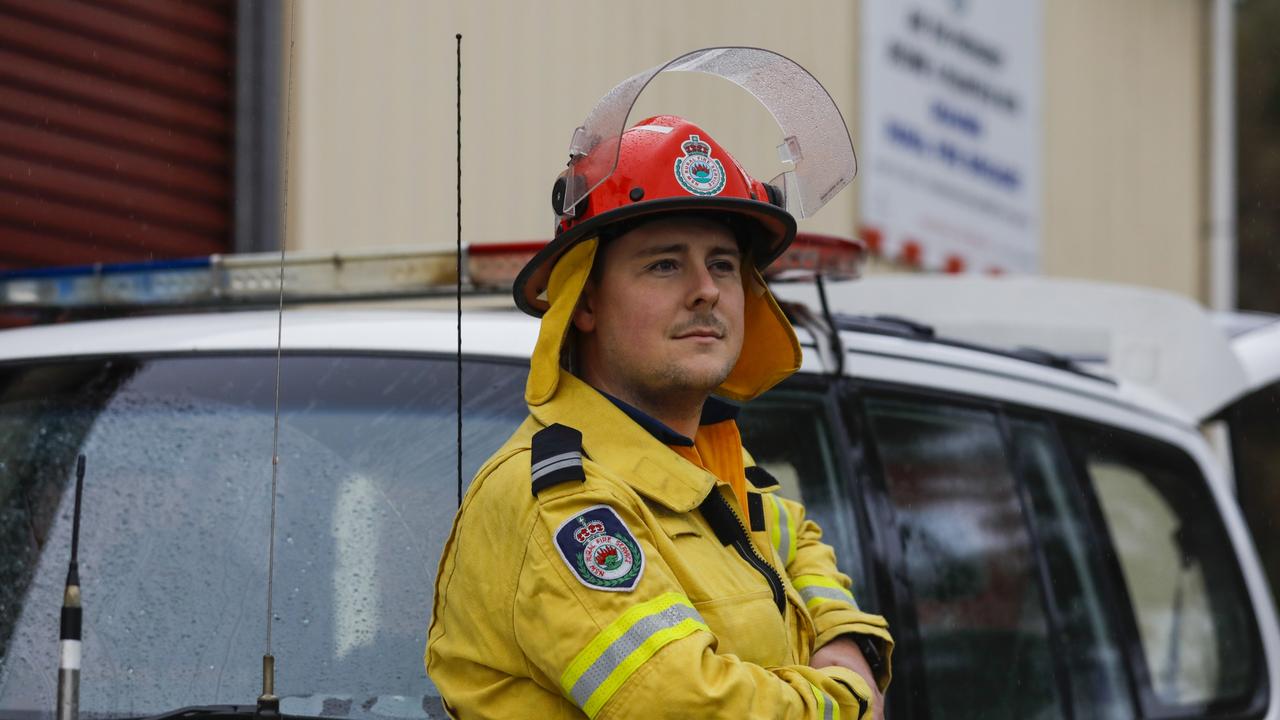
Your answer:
<point x="664" y="313"/>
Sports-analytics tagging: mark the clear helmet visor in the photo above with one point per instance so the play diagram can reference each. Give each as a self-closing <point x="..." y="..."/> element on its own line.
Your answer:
<point x="815" y="142"/>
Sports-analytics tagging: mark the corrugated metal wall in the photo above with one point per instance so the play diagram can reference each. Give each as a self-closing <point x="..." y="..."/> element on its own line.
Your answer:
<point x="115" y="130"/>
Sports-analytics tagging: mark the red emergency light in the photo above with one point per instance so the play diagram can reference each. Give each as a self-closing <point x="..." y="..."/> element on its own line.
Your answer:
<point x="495" y="265"/>
<point x="814" y="254"/>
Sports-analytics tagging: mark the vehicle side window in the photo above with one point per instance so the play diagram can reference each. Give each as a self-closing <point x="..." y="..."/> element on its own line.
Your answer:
<point x="984" y="642"/>
<point x="1092" y="654"/>
<point x="1193" y="619"/>
<point x="789" y="434"/>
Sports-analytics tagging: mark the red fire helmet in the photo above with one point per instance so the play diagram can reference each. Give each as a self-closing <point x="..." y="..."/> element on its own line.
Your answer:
<point x="665" y="165"/>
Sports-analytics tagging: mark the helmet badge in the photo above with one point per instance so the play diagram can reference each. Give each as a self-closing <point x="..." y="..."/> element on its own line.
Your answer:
<point x="696" y="171"/>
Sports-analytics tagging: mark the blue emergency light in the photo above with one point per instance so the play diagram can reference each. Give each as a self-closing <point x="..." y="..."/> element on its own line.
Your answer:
<point x="147" y="283"/>
<point x="216" y="280"/>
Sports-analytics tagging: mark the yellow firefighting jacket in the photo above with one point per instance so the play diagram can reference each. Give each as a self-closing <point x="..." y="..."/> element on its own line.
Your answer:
<point x="593" y="571"/>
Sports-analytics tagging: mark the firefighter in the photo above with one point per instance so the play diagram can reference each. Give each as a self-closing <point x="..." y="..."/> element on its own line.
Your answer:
<point x="621" y="556"/>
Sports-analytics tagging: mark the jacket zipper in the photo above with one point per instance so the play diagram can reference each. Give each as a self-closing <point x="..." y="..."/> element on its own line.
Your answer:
<point x="724" y="521"/>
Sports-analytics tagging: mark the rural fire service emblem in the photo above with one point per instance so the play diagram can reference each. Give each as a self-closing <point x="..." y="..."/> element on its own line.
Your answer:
<point x="697" y="172"/>
<point x="600" y="550"/>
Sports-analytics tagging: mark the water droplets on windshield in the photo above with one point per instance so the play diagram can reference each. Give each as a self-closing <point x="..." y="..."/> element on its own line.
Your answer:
<point x="173" y="539"/>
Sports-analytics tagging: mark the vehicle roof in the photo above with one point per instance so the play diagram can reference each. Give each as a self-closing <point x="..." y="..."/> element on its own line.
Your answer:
<point x="1258" y="346"/>
<point x="1150" y="337"/>
<point x="503" y="334"/>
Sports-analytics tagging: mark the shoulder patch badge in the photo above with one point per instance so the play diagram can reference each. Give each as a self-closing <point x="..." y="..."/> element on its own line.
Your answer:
<point x="600" y="550"/>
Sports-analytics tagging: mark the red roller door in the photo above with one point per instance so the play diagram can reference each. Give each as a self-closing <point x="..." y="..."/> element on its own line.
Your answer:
<point x="115" y="130"/>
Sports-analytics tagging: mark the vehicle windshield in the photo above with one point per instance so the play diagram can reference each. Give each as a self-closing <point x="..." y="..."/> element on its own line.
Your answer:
<point x="173" y="546"/>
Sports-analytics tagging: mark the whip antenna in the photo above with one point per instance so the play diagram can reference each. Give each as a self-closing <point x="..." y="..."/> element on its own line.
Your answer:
<point x="268" y="701"/>
<point x="458" y="295"/>
<point x="69" y="632"/>
<point x="837" y="346"/>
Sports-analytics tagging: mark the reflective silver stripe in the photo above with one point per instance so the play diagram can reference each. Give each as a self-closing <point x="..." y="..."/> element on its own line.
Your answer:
<point x="827" y="593"/>
<point x="627" y="643"/>
<point x="830" y="711"/>
<point x="571" y="462"/>
<point x="539" y="466"/>
<point x="784" y="531"/>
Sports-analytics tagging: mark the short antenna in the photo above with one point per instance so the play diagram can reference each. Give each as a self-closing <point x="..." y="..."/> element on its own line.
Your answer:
<point x="72" y="612"/>
<point x="837" y="346"/>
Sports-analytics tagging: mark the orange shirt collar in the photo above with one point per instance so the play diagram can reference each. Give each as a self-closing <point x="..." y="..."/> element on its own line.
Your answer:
<point x="717" y="448"/>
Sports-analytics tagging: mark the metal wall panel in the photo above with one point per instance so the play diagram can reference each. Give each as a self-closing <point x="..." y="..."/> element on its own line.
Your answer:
<point x="1125" y="110"/>
<point x="115" y="130"/>
<point x="373" y="120"/>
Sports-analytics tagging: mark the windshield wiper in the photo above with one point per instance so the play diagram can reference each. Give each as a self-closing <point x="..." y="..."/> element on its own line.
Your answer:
<point x="207" y="712"/>
<point x="222" y="712"/>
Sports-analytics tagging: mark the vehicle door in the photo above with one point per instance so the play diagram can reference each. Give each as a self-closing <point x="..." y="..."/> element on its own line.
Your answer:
<point x="1254" y="423"/>
<point x="1045" y="567"/>
<point x="1031" y="565"/>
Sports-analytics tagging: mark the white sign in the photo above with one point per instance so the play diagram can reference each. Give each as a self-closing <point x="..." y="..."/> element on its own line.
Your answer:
<point x="951" y="132"/>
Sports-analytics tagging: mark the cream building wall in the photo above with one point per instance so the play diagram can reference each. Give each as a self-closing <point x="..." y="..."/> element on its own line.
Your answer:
<point x="1126" y="138"/>
<point x="372" y="118"/>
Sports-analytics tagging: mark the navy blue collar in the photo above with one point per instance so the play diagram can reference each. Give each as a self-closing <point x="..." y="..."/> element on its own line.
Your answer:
<point x="714" y="410"/>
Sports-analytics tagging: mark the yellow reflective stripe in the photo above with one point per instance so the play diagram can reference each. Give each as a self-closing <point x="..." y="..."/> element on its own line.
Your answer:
<point x="804" y="581"/>
<point x="638" y="657"/>
<point x="616" y="629"/>
<point x="775" y="537"/>
<point x="783" y="530"/>
<point x="828" y="709"/>
<point x="816" y="589"/>
<point x="792" y="532"/>
<point x="617" y="651"/>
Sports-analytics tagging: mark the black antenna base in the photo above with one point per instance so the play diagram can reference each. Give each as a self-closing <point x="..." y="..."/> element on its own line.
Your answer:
<point x="268" y="707"/>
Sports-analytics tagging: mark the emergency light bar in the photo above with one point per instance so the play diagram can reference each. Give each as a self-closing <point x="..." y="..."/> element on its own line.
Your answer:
<point x="311" y="277"/>
<point x="812" y="254"/>
<point x="254" y="279"/>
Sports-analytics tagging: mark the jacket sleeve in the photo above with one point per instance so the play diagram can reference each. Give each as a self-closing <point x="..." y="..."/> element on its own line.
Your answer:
<point x="811" y="565"/>
<point x="640" y="649"/>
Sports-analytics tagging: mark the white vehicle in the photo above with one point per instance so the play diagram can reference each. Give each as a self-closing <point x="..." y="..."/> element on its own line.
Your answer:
<point x="1253" y="423"/>
<point x="1045" y="541"/>
<point x="1222" y="370"/>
